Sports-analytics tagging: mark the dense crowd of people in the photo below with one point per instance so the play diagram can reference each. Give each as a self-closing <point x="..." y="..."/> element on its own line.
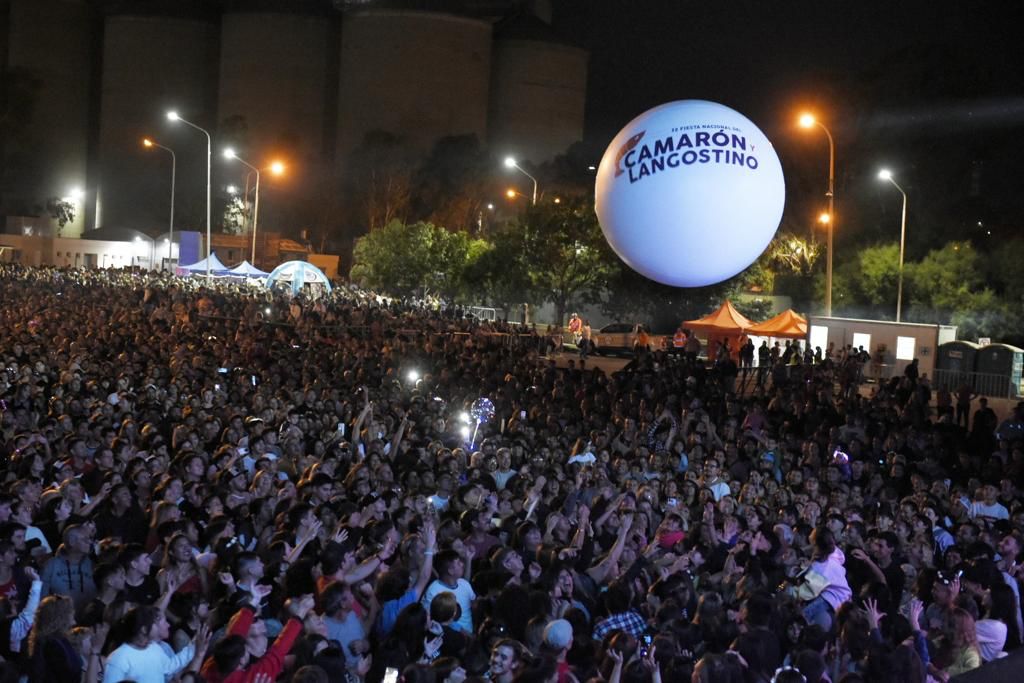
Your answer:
<point x="213" y="482"/>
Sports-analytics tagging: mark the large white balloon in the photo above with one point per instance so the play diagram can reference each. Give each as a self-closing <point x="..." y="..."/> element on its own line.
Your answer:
<point x="690" y="193"/>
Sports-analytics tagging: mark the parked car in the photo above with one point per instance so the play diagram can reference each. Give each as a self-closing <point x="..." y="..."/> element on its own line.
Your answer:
<point x="621" y="339"/>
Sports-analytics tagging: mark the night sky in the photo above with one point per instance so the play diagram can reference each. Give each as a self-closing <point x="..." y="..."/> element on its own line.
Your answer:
<point x="932" y="90"/>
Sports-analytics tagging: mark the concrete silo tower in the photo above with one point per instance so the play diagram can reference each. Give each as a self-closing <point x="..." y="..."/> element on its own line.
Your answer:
<point x="278" y="84"/>
<point x="50" y="53"/>
<point x="157" y="56"/>
<point x="418" y="75"/>
<point x="538" y="90"/>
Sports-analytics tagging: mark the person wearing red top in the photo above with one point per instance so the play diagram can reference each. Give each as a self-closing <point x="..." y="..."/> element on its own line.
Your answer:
<point x="242" y="654"/>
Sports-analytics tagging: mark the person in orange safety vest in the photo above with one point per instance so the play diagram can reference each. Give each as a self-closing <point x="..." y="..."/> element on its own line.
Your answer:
<point x="679" y="340"/>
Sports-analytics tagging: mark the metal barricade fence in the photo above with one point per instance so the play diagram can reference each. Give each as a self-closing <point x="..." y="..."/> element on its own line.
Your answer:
<point x="982" y="383"/>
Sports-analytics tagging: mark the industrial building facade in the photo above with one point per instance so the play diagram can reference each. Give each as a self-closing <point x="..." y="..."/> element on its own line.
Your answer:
<point x="87" y="80"/>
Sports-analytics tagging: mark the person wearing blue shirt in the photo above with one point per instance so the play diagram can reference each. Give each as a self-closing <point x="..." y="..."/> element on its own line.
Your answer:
<point x="391" y="586"/>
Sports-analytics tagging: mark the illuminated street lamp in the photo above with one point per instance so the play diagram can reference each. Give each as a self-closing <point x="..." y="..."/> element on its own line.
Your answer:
<point x="149" y="144"/>
<point x="174" y="117"/>
<point x="277" y="168"/>
<point x="230" y="154"/>
<point x="886" y="174"/>
<point x="510" y="162"/>
<point x="825" y="218"/>
<point x="512" y="194"/>
<point x="480" y="217"/>
<point x="808" y="121"/>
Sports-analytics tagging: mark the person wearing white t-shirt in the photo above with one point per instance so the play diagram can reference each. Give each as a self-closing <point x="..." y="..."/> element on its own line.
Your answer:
<point x="450" y="568"/>
<point x="22" y="514"/>
<point x="989" y="507"/>
<point x="712" y="480"/>
<point x="145" y="658"/>
<point x="504" y="471"/>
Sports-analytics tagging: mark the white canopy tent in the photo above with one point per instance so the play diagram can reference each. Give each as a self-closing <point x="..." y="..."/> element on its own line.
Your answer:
<point x="199" y="268"/>
<point x="246" y="269"/>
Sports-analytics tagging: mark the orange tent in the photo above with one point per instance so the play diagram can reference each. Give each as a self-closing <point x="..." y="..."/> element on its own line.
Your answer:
<point x="725" y="321"/>
<point x="724" y="325"/>
<point x="787" y="325"/>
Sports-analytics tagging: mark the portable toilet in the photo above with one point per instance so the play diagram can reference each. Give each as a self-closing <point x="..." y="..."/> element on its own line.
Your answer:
<point x="957" y="356"/>
<point x="1004" y="364"/>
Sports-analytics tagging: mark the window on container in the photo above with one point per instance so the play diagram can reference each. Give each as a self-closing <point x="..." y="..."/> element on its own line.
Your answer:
<point x="905" y="348"/>
<point x="862" y="339"/>
<point x="819" y="337"/>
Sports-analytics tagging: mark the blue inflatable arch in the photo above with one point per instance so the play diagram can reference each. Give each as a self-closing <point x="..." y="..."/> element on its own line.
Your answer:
<point x="298" y="274"/>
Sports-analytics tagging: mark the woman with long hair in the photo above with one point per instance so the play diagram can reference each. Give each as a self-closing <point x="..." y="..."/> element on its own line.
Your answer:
<point x="52" y="657"/>
<point x="961" y="643"/>
<point x="179" y="562"/>
<point x="997" y="632"/>
<point x="409" y="641"/>
<point x="142" y="659"/>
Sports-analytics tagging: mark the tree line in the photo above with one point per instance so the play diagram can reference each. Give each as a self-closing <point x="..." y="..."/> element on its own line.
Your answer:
<point x="556" y="253"/>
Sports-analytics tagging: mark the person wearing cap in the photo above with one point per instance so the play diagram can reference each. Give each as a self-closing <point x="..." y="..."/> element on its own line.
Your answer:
<point x="236" y="484"/>
<point x="556" y="644"/>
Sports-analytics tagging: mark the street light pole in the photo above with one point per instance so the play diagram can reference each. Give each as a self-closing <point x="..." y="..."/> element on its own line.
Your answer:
<point x="807" y="121"/>
<point x="510" y="162"/>
<point x="886" y="175"/>
<point x="245" y="201"/>
<point x="173" y="116"/>
<point x="174" y="172"/>
<point x="230" y="154"/>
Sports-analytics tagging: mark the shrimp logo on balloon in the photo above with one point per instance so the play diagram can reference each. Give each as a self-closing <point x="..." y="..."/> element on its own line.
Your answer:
<point x="624" y="150"/>
<point x="689" y="193"/>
